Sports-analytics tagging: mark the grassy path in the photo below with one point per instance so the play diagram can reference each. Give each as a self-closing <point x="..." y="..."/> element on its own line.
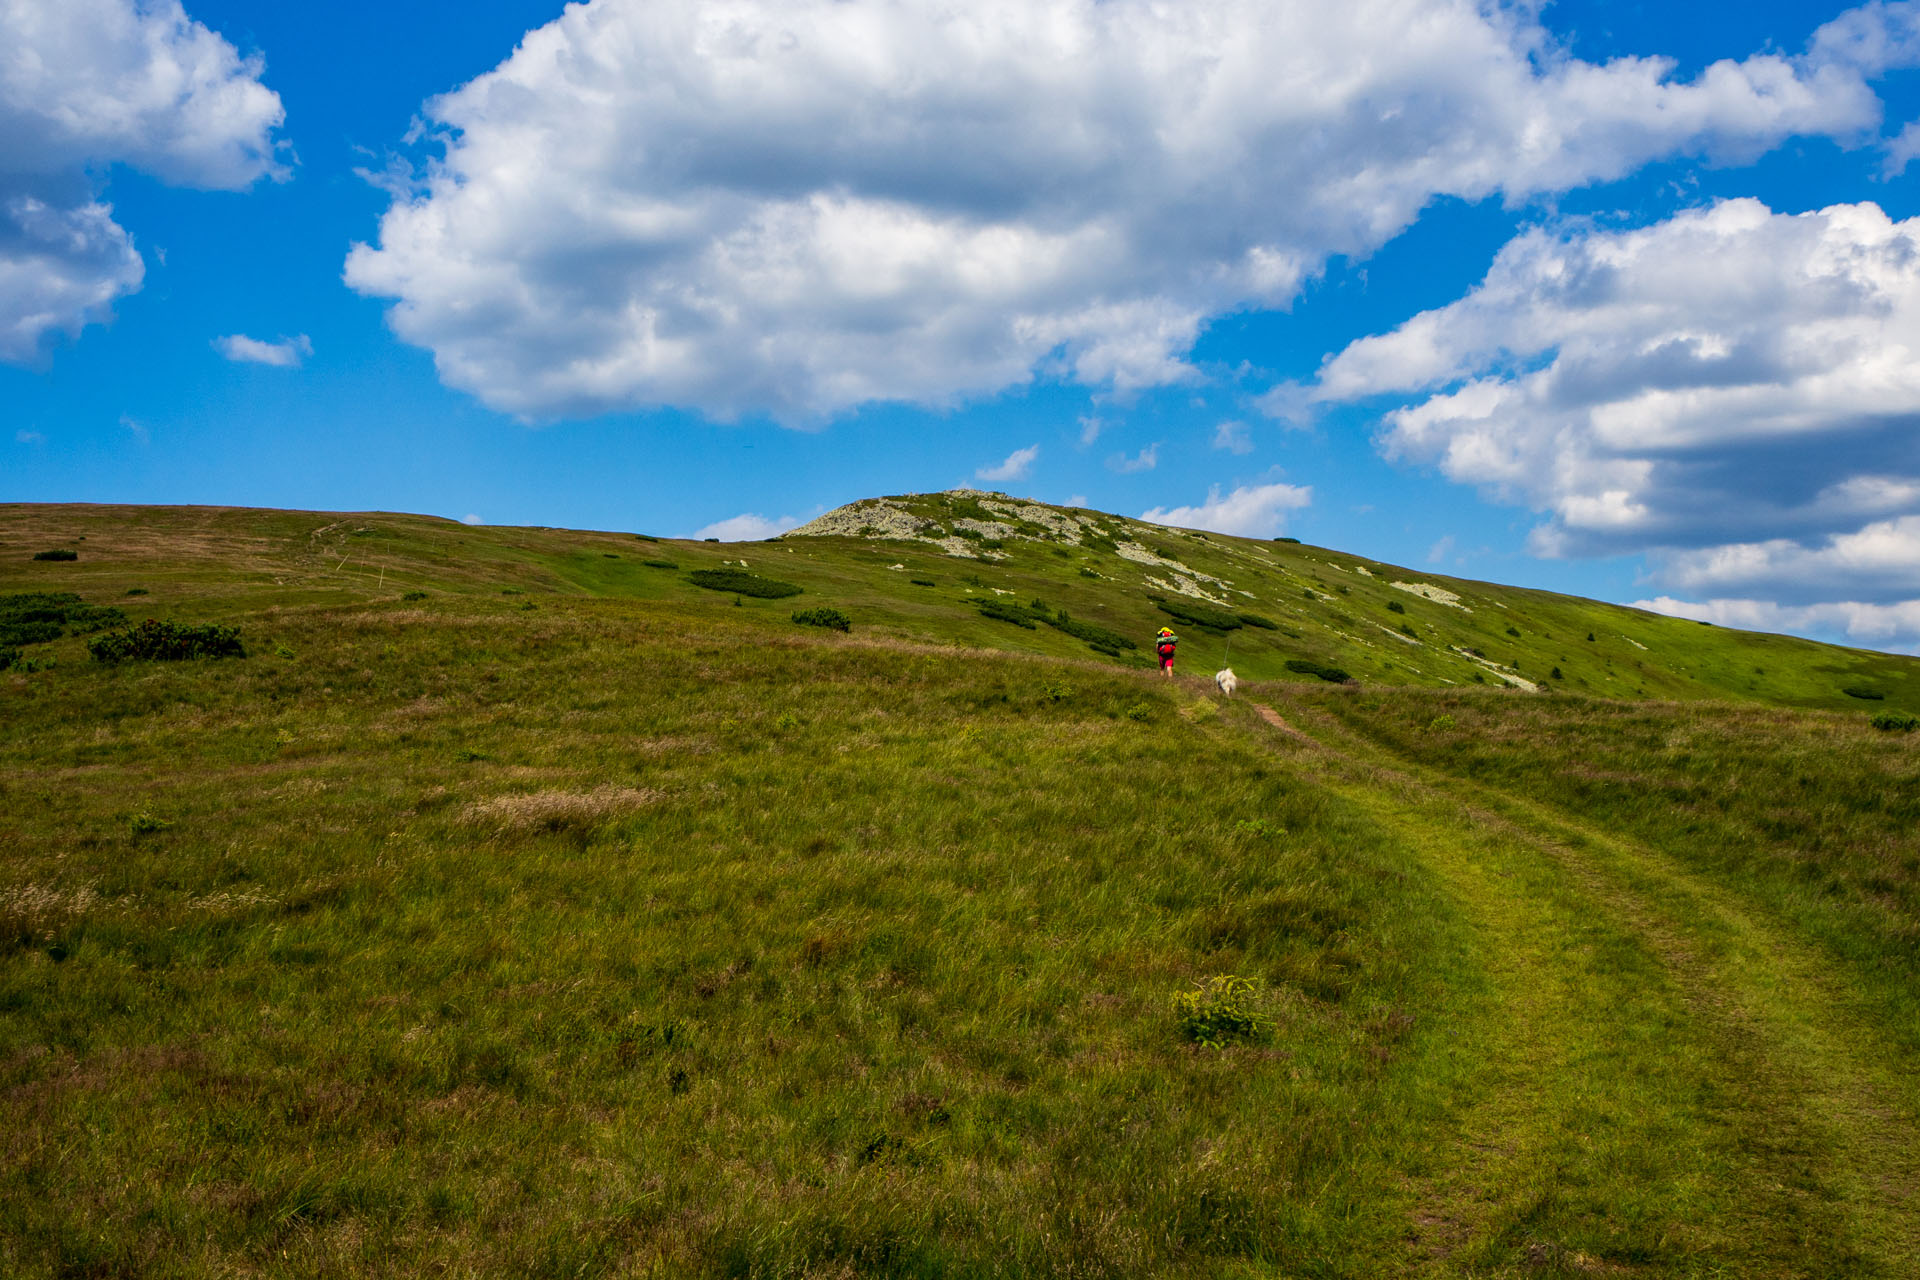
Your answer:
<point x="1647" y="1075"/>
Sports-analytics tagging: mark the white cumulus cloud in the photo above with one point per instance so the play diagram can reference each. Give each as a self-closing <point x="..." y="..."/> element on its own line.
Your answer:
<point x="87" y="84"/>
<point x="287" y="353"/>
<point x="1250" y="511"/>
<point x="801" y="206"/>
<point x="1015" y="467"/>
<point x="1733" y="390"/>
<point x="746" y="527"/>
<point x="1146" y="460"/>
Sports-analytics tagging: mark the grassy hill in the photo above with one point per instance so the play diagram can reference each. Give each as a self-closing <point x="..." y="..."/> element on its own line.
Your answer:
<point x="518" y="906"/>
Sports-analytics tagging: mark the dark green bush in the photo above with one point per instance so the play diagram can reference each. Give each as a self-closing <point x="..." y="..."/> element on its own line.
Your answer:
<point x="1198" y="615"/>
<point x="923" y="582"/>
<point x="1109" y="642"/>
<point x="1394" y="606"/>
<point x="8" y="657"/>
<point x="742" y="583"/>
<point x="833" y="618"/>
<point x="660" y="564"/>
<point x="136" y="591"/>
<point x="1294" y="541"/>
<point x="1896" y="721"/>
<point x="1306" y="667"/>
<point x="1514" y="632"/>
<point x="1000" y="611"/>
<point x="58" y="553"/>
<point x="167" y="641"/>
<point x="1868" y="695"/>
<point x="1255" y="620"/>
<point x="35" y="617"/>
<point x="413" y="595"/>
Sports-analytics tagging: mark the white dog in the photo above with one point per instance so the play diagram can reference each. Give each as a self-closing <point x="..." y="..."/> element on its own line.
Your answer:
<point x="1227" y="681"/>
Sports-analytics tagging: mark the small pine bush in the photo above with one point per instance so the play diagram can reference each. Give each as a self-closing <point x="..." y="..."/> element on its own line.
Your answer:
<point x="136" y="591"/>
<point x="1294" y="541"/>
<point x="742" y="583"/>
<point x="1394" y="606"/>
<point x="923" y="582"/>
<point x="413" y="595"/>
<point x="660" y="564"/>
<point x="8" y="657"/>
<point x="1000" y="611"/>
<point x="1305" y="667"/>
<point x="1514" y="632"/>
<point x="58" y="553"/>
<point x="1199" y="615"/>
<point x="154" y="640"/>
<point x="831" y="618"/>
<point x="1555" y="674"/>
<point x="1866" y="695"/>
<point x="1255" y="620"/>
<point x="1896" y="721"/>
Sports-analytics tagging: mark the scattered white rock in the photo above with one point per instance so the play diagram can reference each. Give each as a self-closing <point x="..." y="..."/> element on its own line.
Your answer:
<point x="1635" y="643"/>
<point x="897" y="568"/>
<point x="1185" y="586"/>
<point x="1427" y="591"/>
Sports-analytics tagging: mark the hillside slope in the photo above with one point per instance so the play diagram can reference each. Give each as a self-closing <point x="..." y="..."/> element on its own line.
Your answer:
<point x="516" y="906"/>
<point x="922" y="567"/>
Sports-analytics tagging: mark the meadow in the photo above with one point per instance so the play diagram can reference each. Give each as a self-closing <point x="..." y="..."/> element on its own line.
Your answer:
<point x="518" y="906"/>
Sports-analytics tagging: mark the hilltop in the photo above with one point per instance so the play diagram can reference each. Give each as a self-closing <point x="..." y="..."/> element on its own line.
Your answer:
<point x="551" y="902"/>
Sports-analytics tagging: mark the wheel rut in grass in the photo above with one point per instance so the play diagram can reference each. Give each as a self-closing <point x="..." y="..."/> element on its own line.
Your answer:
<point x="1650" y="1075"/>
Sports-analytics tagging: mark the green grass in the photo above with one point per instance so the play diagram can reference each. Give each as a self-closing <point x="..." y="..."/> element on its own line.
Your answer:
<point x="647" y="933"/>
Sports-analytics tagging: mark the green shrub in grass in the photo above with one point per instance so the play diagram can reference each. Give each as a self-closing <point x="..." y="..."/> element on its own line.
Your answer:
<point x="154" y="640"/>
<point x="1896" y="721"/>
<point x="742" y="583"/>
<point x="1221" y="1011"/>
<point x="1306" y="667"/>
<point x="831" y="618"/>
<point x="58" y="553"/>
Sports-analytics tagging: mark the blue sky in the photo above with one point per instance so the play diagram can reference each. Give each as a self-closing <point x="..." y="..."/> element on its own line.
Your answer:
<point x="1605" y="298"/>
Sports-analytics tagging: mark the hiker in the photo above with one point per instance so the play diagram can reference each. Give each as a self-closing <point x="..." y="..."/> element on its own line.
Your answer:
<point x="1164" y="644"/>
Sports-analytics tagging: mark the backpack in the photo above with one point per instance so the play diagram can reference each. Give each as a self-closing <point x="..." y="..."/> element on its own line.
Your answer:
<point x="1166" y="648"/>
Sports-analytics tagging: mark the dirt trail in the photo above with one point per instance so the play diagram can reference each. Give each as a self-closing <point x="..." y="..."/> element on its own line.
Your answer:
<point x="1636" y="1012"/>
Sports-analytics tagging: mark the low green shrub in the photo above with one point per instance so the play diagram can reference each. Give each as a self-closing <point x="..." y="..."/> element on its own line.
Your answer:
<point x="8" y="657"/>
<point x="1221" y="1011"/>
<point x="1089" y="573"/>
<point x="1896" y="721"/>
<point x="1198" y="615"/>
<point x="58" y="553"/>
<point x="660" y="564"/>
<point x="1000" y="611"/>
<point x="1294" y="541"/>
<point x="136" y="591"/>
<point x="1097" y="636"/>
<point x="35" y="617"/>
<point x="1394" y="606"/>
<point x="1255" y="620"/>
<point x="823" y="617"/>
<point x="1514" y="632"/>
<point x="923" y="582"/>
<point x="409" y="596"/>
<point x="154" y="640"/>
<point x="1865" y="695"/>
<point x="1439" y="724"/>
<point x="742" y="583"/>
<point x="1307" y="667"/>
